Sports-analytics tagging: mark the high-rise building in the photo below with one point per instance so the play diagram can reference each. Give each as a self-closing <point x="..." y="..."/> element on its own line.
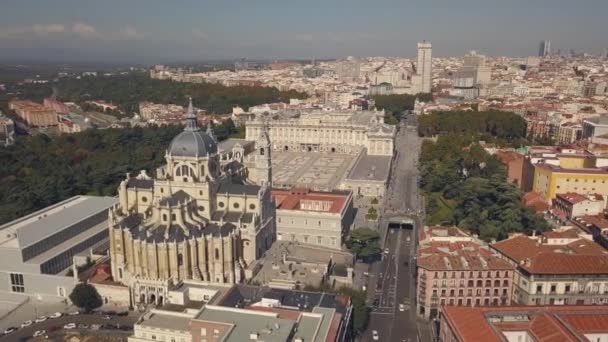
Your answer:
<point x="544" y="48"/>
<point x="424" y="66"/>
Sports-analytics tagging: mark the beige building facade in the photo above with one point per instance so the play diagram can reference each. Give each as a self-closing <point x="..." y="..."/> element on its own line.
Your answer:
<point x="331" y="131"/>
<point x="192" y="221"/>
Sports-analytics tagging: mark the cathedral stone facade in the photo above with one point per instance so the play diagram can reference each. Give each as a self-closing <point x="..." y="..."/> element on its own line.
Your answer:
<point x="192" y="220"/>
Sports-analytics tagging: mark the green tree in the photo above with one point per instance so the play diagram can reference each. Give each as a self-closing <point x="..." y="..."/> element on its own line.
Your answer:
<point x="364" y="243"/>
<point x="85" y="297"/>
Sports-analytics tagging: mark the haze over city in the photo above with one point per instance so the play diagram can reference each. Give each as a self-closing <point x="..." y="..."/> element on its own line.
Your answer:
<point x="152" y="31"/>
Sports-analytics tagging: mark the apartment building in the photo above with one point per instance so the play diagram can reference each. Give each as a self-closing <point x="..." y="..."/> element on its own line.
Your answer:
<point x="34" y="114"/>
<point x="557" y="268"/>
<point x="570" y="204"/>
<point x="455" y="268"/>
<point x="549" y="180"/>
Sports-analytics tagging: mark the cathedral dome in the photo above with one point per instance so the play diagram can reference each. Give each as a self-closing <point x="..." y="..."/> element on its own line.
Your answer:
<point x="193" y="142"/>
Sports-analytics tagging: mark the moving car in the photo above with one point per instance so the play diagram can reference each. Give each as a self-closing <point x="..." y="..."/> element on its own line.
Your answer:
<point x="375" y="336"/>
<point x="41" y="319"/>
<point x="26" y="323"/>
<point x="56" y="315"/>
<point x="401" y="307"/>
<point x="74" y="313"/>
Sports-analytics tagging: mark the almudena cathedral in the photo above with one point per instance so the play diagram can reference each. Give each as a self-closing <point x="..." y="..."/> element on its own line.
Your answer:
<point x="211" y="211"/>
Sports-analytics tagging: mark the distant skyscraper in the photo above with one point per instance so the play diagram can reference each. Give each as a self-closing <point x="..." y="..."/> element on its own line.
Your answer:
<point x="545" y="48"/>
<point x="423" y="68"/>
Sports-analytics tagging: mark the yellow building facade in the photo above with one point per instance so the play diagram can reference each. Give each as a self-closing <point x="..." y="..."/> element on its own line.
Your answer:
<point x="549" y="180"/>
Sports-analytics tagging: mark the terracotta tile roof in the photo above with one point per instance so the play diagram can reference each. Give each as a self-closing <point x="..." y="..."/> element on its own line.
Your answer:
<point x="536" y="201"/>
<point x="463" y="263"/>
<point x="543" y="323"/>
<point x="296" y="199"/>
<point x="523" y="247"/>
<point x="571" y="233"/>
<point x="561" y="263"/>
<point x="572" y="197"/>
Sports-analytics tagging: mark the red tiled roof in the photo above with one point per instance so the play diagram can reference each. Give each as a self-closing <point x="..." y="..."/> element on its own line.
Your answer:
<point x="578" y="257"/>
<point x="292" y="199"/>
<point x="562" y="263"/>
<point x="463" y="263"/>
<point x="543" y="323"/>
<point x="535" y="200"/>
<point x="571" y="233"/>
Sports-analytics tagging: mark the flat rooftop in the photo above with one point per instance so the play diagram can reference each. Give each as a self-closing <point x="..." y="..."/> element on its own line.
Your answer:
<point x="246" y="322"/>
<point x="373" y="168"/>
<point x="313" y="170"/>
<point x="167" y="321"/>
<point x="34" y="227"/>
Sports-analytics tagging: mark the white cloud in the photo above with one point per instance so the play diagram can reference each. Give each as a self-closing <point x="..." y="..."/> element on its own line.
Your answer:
<point x="37" y="29"/>
<point x="84" y="30"/>
<point x="48" y="29"/>
<point x="129" y="32"/>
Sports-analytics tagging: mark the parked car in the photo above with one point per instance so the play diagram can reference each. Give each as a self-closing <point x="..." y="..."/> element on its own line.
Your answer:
<point x="26" y="323"/>
<point x="401" y="307"/>
<point x="70" y="326"/>
<point x="56" y="315"/>
<point x="9" y="330"/>
<point x="41" y="319"/>
<point x="83" y="326"/>
<point x="74" y="313"/>
<point x="375" y="336"/>
<point x="123" y="313"/>
<point x="39" y="333"/>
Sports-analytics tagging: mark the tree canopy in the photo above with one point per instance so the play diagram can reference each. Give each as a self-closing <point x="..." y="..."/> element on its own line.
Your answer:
<point x="484" y="125"/>
<point x="127" y="90"/>
<point x="466" y="186"/>
<point x="85" y="297"/>
<point x="394" y="105"/>
<point x="364" y="243"/>
<point x="39" y="171"/>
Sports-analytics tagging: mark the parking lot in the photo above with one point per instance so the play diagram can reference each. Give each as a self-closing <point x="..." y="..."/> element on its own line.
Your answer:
<point x="102" y="323"/>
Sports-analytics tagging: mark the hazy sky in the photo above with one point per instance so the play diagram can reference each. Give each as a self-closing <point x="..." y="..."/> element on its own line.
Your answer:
<point x="153" y="31"/>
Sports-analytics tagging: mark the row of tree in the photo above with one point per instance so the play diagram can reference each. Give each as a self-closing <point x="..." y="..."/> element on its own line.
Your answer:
<point x="39" y="171"/>
<point x="496" y="124"/>
<point x="395" y="105"/>
<point x="467" y="187"/>
<point x="126" y="91"/>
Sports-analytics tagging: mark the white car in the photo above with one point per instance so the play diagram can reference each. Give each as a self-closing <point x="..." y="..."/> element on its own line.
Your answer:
<point x="386" y="251"/>
<point x="56" y="315"/>
<point x="375" y="336"/>
<point x="74" y="313"/>
<point x="401" y="307"/>
<point x="26" y="324"/>
<point x="10" y="330"/>
<point x="39" y="333"/>
<point x="70" y="326"/>
<point x="41" y="319"/>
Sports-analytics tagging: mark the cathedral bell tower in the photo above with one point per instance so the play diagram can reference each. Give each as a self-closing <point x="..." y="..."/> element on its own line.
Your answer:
<point x="263" y="163"/>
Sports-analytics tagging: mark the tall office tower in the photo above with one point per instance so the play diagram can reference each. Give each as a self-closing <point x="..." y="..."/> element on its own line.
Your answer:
<point x="545" y="48"/>
<point x="423" y="68"/>
<point x="605" y="53"/>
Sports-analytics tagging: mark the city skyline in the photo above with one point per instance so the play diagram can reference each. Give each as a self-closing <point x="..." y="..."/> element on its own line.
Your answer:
<point x="157" y="31"/>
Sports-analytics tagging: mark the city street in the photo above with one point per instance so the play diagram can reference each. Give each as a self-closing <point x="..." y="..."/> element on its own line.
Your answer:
<point x="391" y="281"/>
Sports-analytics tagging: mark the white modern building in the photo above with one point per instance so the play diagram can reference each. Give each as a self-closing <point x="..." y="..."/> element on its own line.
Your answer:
<point x="37" y="250"/>
<point x="424" y="66"/>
